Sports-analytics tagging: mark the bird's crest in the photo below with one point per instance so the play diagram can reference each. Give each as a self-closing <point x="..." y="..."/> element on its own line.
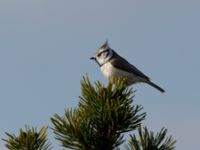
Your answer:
<point x="105" y="45"/>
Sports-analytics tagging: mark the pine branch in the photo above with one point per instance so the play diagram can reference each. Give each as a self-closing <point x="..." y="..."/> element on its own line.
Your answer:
<point x="100" y="120"/>
<point x="29" y="139"/>
<point x="149" y="141"/>
<point x="71" y="129"/>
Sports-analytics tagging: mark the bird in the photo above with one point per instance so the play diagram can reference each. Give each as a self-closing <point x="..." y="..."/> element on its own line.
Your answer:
<point x="113" y="66"/>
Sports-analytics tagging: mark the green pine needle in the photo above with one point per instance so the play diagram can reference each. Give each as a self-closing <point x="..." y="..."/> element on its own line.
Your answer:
<point x="29" y="139"/>
<point x="149" y="141"/>
<point x="103" y="115"/>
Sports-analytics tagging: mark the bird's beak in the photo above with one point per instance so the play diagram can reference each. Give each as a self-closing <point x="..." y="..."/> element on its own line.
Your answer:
<point x="92" y="57"/>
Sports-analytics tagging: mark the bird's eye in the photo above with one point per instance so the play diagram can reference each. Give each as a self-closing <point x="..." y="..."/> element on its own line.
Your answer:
<point x="105" y="51"/>
<point x="98" y="55"/>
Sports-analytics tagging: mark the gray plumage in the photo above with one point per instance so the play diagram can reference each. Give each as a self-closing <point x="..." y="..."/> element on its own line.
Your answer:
<point x="123" y="64"/>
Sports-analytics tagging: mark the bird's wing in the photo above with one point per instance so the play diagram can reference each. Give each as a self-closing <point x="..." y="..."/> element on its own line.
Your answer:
<point x="119" y="62"/>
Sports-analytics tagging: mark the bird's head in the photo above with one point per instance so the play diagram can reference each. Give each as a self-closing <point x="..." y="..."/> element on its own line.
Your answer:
<point x="103" y="54"/>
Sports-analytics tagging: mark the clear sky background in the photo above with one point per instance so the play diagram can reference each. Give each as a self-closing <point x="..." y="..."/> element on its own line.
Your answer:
<point x="45" y="47"/>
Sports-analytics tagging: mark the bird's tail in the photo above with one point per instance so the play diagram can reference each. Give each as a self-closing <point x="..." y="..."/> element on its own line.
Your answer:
<point x="156" y="86"/>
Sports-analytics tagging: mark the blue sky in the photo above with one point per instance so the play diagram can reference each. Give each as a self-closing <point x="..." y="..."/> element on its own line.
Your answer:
<point x="45" y="48"/>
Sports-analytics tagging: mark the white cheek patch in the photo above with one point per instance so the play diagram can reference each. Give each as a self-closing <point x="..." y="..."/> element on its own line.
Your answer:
<point x="104" y="57"/>
<point x="101" y="61"/>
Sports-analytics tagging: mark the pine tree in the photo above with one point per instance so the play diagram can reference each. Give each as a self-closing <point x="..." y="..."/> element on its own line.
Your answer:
<point x="103" y="116"/>
<point x="99" y="122"/>
<point x="148" y="141"/>
<point x="28" y="139"/>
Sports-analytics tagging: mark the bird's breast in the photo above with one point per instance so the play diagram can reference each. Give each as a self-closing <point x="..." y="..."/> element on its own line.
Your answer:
<point x="110" y="72"/>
